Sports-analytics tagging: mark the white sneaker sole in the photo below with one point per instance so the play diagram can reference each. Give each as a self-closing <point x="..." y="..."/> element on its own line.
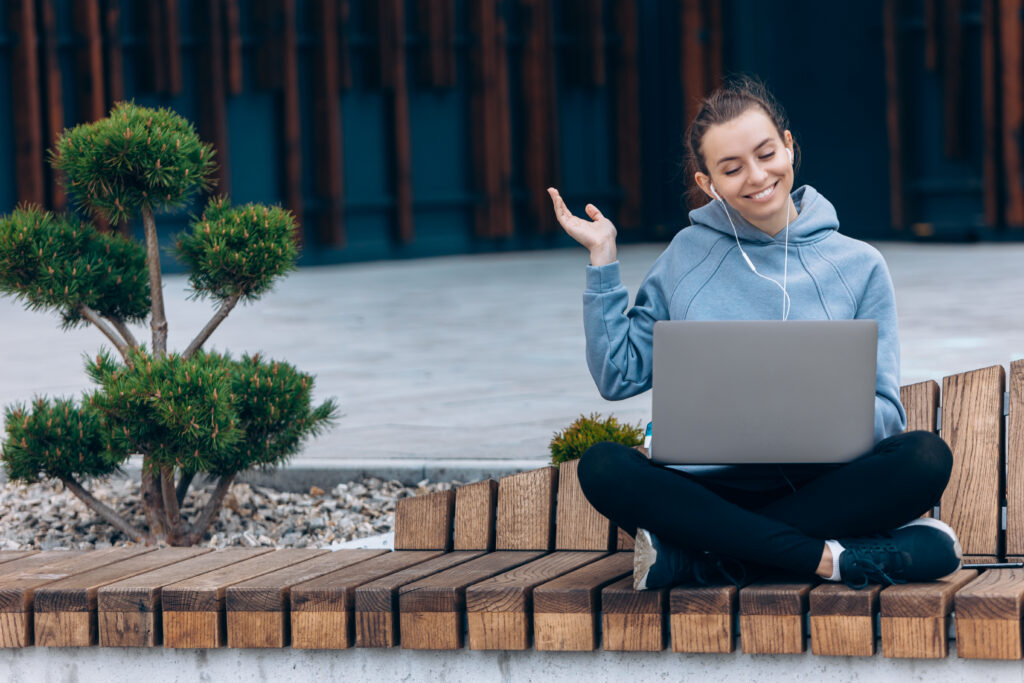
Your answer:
<point x="644" y="556"/>
<point x="944" y="528"/>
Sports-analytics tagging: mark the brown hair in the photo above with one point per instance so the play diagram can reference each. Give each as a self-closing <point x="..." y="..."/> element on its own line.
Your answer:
<point x="736" y="97"/>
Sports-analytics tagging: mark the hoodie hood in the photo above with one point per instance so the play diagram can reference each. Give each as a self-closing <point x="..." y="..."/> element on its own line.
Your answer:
<point x="815" y="220"/>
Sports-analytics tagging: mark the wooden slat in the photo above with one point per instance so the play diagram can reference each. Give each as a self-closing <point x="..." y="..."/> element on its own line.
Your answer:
<point x="972" y="421"/>
<point x="258" y="609"/>
<point x="489" y="120"/>
<point x="499" y="609"/>
<point x="475" y="506"/>
<point x="526" y="510"/>
<point x="990" y="113"/>
<point x="425" y="522"/>
<point x="701" y="618"/>
<point x="623" y="540"/>
<point x="432" y="608"/>
<point x="396" y="82"/>
<point x="92" y="102"/>
<point x="953" y="80"/>
<point x="772" y="617"/>
<point x="437" y="26"/>
<point x="376" y="603"/>
<point x="233" y="56"/>
<point x="540" y="106"/>
<point x="1011" y="52"/>
<point x="988" y="616"/>
<point x="193" y="609"/>
<point x="20" y="578"/>
<point x="28" y="120"/>
<point x="915" y="616"/>
<point x="625" y="82"/>
<point x="579" y="525"/>
<point x="291" y="117"/>
<point x="65" y="611"/>
<point x="692" y="56"/>
<point x="843" y="620"/>
<point x="171" y="45"/>
<point x="213" y="120"/>
<point x="129" y="612"/>
<point x="54" y="94"/>
<point x="321" y="609"/>
<point x="1015" y="462"/>
<point x="565" y="610"/>
<point x="327" y="115"/>
<point x="633" y="620"/>
<point x="11" y="555"/>
<point x="893" y="115"/>
<point x="921" y="403"/>
<point x="113" y="51"/>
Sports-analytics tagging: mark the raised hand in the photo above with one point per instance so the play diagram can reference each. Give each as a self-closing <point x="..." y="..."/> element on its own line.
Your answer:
<point x="597" y="234"/>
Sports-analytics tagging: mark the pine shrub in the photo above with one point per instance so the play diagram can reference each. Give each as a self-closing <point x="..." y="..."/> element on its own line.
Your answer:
<point x="574" y="440"/>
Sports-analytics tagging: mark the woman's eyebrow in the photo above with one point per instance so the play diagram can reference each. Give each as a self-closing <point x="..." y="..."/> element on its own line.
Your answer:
<point x="759" y="146"/>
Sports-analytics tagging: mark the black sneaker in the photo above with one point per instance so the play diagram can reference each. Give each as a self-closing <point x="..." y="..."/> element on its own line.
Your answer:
<point x="923" y="550"/>
<point x="658" y="565"/>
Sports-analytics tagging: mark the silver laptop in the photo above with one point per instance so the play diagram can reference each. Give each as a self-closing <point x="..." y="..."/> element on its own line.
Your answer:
<point x="763" y="391"/>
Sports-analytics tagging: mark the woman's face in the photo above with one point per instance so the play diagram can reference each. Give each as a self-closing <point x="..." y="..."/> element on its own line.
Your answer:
<point x="748" y="164"/>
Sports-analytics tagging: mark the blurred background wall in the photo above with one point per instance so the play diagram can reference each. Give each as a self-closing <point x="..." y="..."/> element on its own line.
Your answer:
<point x="405" y="128"/>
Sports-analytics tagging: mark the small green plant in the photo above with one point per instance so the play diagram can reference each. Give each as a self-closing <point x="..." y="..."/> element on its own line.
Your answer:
<point x="574" y="440"/>
<point x="187" y="413"/>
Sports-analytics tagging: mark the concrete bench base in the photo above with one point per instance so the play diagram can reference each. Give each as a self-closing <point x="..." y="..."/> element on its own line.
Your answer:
<point x="114" y="665"/>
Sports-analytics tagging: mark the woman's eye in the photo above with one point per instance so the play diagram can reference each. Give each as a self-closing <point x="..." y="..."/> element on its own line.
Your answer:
<point x="769" y="155"/>
<point x="732" y="171"/>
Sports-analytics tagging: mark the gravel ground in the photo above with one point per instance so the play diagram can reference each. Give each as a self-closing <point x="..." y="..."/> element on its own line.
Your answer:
<point x="44" y="516"/>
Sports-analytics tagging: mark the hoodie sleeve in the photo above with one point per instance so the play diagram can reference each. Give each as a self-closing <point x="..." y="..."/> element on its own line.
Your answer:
<point x="619" y="342"/>
<point x="879" y="303"/>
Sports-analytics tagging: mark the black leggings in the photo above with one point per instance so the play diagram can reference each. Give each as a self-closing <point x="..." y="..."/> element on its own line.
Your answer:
<point x="900" y="479"/>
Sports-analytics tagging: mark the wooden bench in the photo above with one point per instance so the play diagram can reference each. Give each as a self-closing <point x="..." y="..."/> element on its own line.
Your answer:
<point x="527" y="562"/>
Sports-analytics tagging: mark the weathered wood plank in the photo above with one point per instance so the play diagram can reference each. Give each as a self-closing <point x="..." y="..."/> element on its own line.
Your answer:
<point x="579" y="525"/>
<point x="65" y="610"/>
<point x="400" y="128"/>
<point x="915" y="616"/>
<point x="20" y="578"/>
<point x="540" y="106"/>
<point x="432" y="608"/>
<point x="327" y="114"/>
<point x="526" y="510"/>
<point x="893" y="113"/>
<point x="376" y="603"/>
<point x="28" y="120"/>
<point x="972" y="425"/>
<point x="291" y="118"/>
<point x="425" y="522"/>
<point x="258" y="609"/>
<point x="1011" y="50"/>
<point x="843" y="620"/>
<point x="193" y="609"/>
<point x="92" y="103"/>
<point x="1015" y="462"/>
<point x="701" y="618"/>
<point x="54" y="93"/>
<point x="623" y="540"/>
<point x="921" y="403"/>
<point x="11" y="555"/>
<point x="129" y="612"/>
<point x="633" y="620"/>
<point x="321" y="609"/>
<point x="988" y="616"/>
<point x="566" y="609"/>
<point x="772" y="617"/>
<point x="498" y="610"/>
<point x="475" y="506"/>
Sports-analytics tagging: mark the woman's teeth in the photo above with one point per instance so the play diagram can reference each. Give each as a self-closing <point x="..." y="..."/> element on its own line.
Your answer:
<point x="763" y="193"/>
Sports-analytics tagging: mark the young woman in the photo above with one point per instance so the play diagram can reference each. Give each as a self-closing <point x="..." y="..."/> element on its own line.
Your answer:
<point x="857" y="522"/>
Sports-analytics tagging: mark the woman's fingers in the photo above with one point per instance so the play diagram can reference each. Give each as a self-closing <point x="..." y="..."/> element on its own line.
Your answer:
<point x="592" y="211"/>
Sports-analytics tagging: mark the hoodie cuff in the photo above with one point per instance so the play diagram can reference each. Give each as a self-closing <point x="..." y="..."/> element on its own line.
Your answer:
<point x="603" y="278"/>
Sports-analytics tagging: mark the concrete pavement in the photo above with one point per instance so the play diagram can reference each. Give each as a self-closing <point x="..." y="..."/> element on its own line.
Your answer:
<point x="464" y="366"/>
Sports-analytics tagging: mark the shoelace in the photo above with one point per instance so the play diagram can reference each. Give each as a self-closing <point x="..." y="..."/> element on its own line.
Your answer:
<point x="709" y="567"/>
<point x="866" y="565"/>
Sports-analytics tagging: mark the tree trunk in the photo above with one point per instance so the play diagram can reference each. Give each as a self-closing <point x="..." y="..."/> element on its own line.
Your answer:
<point x="106" y="512"/>
<point x="158" y="320"/>
<point x="212" y="508"/>
<point x="153" y="502"/>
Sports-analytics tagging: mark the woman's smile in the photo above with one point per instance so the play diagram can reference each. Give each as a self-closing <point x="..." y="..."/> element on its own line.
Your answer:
<point x="763" y="195"/>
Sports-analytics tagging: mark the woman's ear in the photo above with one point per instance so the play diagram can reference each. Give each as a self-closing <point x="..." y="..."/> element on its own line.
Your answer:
<point x="704" y="182"/>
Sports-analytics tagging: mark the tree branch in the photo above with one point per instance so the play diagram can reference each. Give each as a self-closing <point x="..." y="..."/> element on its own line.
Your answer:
<point x="212" y="508"/>
<point x="175" y="532"/>
<point x="106" y="512"/>
<point x="216" y="320"/>
<point x="101" y="325"/>
<point x="183" y="484"/>
<point x="158" y="320"/>
<point x="125" y="332"/>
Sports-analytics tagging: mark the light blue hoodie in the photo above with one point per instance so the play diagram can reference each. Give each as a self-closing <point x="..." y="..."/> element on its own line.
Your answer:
<point x="702" y="276"/>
